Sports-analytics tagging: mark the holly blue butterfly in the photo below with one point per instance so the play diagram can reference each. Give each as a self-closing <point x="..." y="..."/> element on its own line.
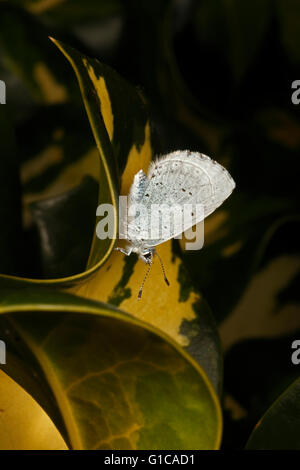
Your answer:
<point x="179" y="179"/>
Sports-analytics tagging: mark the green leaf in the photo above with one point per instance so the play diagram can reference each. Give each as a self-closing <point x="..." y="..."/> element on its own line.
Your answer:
<point x="232" y="236"/>
<point x="107" y="380"/>
<point x="121" y="129"/>
<point x="61" y="153"/>
<point x="278" y="429"/>
<point x="119" y="121"/>
<point x="20" y="411"/>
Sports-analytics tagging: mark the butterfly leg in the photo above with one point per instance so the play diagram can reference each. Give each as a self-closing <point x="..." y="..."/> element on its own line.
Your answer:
<point x="127" y="253"/>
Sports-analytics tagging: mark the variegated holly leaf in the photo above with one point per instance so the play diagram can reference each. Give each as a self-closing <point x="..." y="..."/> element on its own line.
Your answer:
<point x="122" y="133"/>
<point x="189" y="320"/>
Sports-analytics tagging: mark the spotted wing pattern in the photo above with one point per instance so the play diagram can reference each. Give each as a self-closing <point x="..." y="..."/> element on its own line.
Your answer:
<point x="179" y="179"/>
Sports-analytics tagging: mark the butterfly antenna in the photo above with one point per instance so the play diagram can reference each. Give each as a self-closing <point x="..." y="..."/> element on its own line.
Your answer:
<point x="144" y="280"/>
<point x="163" y="269"/>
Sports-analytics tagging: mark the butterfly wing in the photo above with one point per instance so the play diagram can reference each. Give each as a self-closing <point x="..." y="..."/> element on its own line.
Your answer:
<point x="179" y="179"/>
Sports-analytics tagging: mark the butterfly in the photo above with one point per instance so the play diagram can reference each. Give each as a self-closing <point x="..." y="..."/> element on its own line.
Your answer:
<point x="177" y="180"/>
